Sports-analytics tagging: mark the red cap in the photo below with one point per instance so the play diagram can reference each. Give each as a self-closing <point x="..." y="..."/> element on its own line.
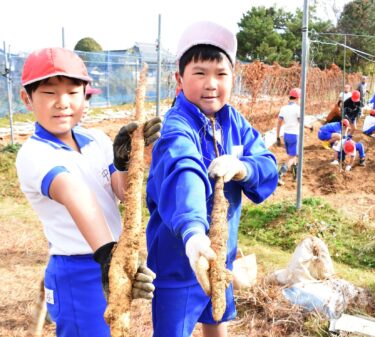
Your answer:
<point x="345" y="122"/>
<point x="349" y="146"/>
<point x="50" y="62"/>
<point x="356" y="95"/>
<point x="92" y="91"/>
<point x="372" y="112"/>
<point x="295" y="92"/>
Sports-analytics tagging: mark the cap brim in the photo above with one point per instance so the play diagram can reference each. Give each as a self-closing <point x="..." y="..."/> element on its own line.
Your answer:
<point x="93" y="91"/>
<point x="83" y="78"/>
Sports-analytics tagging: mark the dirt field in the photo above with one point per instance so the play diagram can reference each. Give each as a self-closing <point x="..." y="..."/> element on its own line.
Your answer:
<point x="23" y="252"/>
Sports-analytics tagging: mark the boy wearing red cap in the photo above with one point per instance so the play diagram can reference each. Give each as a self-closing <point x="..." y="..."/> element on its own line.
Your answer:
<point x="289" y="116"/>
<point x="352" y="110"/>
<point x="369" y="124"/>
<point x="73" y="179"/>
<point x="181" y="180"/>
<point x="331" y="132"/>
<point x="88" y="94"/>
<point x="348" y="147"/>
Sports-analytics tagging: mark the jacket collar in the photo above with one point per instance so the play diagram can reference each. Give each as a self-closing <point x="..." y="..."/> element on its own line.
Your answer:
<point x="192" y="112"/>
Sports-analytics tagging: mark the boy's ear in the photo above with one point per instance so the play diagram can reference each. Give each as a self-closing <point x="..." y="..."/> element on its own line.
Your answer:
<point x="178" y="78"/>
<point x="26" y="99"/>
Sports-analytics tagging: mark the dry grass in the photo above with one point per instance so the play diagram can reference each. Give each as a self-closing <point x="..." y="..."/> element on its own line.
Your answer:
<point x="23" y="255"/>
<point x="265" y="312"/>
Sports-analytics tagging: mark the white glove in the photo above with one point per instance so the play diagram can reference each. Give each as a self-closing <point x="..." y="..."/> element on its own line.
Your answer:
<point x="348" y="168"/>
<point x="227" y="166"/>
<point x="199" y="252"/>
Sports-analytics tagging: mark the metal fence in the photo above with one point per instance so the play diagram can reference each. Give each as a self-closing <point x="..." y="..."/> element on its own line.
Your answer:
<point x="115" y="73"/>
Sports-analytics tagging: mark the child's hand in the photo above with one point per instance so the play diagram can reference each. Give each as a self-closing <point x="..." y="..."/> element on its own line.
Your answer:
<point x="199" y="252"/>
<point x="227" y="166"/>
<point x="103" y="256"/>
<point x="122" y="142"/>
<point x="122" y="146"/>
<point x="143" y="287"/>
<point x="151" y="130"/>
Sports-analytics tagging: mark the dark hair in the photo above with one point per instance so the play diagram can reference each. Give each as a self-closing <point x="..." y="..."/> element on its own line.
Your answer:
<point x="30" y="88"/>
<point x="201" y="52"/>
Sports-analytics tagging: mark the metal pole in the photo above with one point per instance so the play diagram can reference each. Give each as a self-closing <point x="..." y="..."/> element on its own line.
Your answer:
<point x="158" y="72"/>
<point x="107" y="88"/>
<point x="342" y="105"/>
<point x="305" y="49"/>
<point x="63" y="37"/>
<point x="9" y="90"/>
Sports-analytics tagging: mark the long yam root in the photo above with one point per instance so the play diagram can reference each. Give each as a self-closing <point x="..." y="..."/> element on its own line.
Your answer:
<point x="125" y="258"/>
<point x="40" y="313"/>
<point x="219" y="237"/>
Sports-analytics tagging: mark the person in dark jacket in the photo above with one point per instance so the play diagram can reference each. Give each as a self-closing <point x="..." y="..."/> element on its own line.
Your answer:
<point x="352" y="110"/>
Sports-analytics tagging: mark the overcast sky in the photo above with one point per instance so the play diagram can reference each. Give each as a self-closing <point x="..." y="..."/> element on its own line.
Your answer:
<point x="27" y="25"/>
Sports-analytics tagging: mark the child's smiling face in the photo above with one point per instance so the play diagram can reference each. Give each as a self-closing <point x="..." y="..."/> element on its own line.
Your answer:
<point x="57" y="104"/>
<point x="208" y="84"/>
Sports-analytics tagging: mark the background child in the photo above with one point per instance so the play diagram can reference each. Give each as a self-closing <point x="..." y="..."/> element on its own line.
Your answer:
<point x="68" y="175"/>
<point x="331" y="132"/>
<point x="335" y="114"/>
<point x="369" y="124"/>
<point x="347" y="147"/>
<point x="180" y="183"/>
<point x="352" y="110"/>
<point x="88" y="94"/>
<point x="289" y="116"/>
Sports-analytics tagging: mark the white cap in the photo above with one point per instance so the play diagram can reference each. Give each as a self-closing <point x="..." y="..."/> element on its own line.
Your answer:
<point x="206" y="32"/>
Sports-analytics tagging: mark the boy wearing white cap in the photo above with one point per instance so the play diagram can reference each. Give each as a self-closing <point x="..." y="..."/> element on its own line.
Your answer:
<point x="181" y="180"/>
<point x="72" y="178"/>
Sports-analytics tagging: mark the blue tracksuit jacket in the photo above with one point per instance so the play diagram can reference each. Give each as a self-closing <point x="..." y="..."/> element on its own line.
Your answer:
<point x="334" y="127"/>
<point x="180" y="192"/>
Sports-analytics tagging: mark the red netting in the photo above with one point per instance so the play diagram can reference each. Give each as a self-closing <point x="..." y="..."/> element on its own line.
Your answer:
<point x="264" y="89"/>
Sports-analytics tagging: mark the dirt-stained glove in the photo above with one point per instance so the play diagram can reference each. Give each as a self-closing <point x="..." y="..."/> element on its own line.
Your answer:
<point x="122" y="142"/>
<point x="278" y="141"/>
<point x="103" y="256"/>
<point x="229" y="167"/>
<point x="151" y="130"/>
<point x="198" y="250"/>
<point x="142" y="286"/>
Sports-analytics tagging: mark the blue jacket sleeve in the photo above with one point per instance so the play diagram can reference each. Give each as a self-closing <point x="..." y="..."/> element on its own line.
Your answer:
<point x="261" y="165"/>
<point x="180" y="184"/>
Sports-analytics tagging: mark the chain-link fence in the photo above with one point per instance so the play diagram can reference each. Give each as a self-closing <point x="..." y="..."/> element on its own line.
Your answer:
<point x="115" y="73"/>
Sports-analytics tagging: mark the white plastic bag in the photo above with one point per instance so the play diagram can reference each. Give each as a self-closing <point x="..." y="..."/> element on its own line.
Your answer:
<point x="310" y="261"/>
<point x="244" y="272"/>
<point x="330" y="297"/>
